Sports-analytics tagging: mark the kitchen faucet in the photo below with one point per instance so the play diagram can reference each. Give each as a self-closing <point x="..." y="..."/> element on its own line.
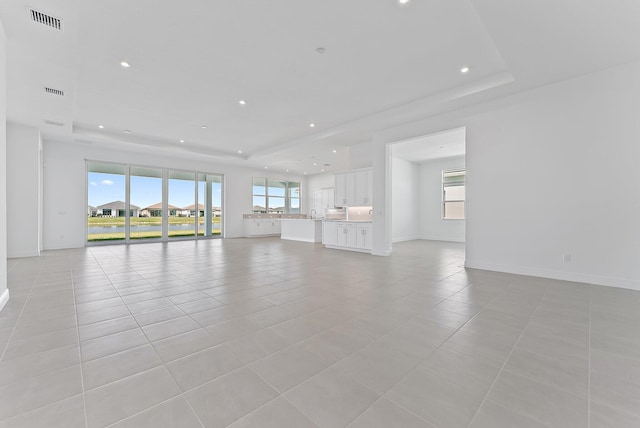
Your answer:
<point x="312" y="213"/>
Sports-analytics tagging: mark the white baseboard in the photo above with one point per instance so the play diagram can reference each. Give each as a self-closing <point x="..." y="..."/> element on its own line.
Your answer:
<point x="405" y="238"/>
<point x="442" y="238"/>
<point x="19" y="254"/>
<point x="4" y="298"/>
<point x="384" y="253"/>
<point x="357" y="250"/>
<point x="555" y="274"/>
<point x="64" y="246"/>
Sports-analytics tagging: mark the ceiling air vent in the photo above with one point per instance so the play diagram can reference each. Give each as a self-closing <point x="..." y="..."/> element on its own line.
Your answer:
<point x="54" y="91"/>
<point x="44" y="19"/>
<point x="53" y="122"/>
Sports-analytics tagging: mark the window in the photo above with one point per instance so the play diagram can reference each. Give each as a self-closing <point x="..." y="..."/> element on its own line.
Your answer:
<point x="453" y="194"/>
<point x="275" y="196"/>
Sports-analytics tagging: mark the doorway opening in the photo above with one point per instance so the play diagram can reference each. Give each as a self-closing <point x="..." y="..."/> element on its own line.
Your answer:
<point x="428" y="187"/>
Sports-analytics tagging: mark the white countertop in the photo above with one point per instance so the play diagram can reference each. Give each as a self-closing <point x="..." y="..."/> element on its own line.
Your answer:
<point x="300" y="219"/>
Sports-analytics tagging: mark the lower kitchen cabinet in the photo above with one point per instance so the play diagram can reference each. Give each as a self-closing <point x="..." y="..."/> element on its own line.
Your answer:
<point x="353" y="236"/>
<point x="363" y="237"/>
<point x="261" y="226"/>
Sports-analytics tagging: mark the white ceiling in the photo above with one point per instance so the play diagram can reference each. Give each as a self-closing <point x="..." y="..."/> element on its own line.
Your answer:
<point x="429" y="147"/>
<point x="384" y="64"/>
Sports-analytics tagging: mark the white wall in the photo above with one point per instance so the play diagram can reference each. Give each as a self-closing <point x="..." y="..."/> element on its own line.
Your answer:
<point x="360" y="155"/>
<point x="23" y="190"/>
<point x="551" y="171"/>
<point x="432" y="226"/>
<point x="405" y="201"/>
<point x="65" y="187"/>
<point x="4" y="292"/>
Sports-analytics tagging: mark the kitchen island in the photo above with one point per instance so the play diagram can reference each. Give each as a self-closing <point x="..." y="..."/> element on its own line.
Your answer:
<point x="301" y="229"/>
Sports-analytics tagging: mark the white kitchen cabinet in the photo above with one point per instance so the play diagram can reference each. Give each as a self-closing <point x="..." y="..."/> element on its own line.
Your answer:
<point x="341" y="190"/>
<point x="261" y="226"/>
<point x="363" y="188"/>
<point x="251" y="227"/>
<point x="329" y="233"/>
<point x="272" y="226"/>
<point x="353" y="236"/>
<point x="354" y="189"/>
<point x="347" y="236"/>
<point x="363" y="237"/>
<point x="351" y="190"/>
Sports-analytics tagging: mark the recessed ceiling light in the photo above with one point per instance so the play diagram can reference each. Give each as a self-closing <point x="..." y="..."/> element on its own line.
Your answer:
<point x="125" y="64"/>
<point x="403" y="1"/>
<point x="204" y="127"/>
<point x="335" y="151"/>
<point x="242" y="102"/>
<point x="266" y="167"/>
<point x="101" y="126"/>
<point x="315" y="163"/>
<point x="126" y="131"/>
<point x="464" y="70"/>
<point x="240" y="151"/>
<point x="312" y="125"/>
<point x="287" y="170"/>
<point x="305" y="173"/>
<point x="182" y="141"/>
<point x="322" y="170"/>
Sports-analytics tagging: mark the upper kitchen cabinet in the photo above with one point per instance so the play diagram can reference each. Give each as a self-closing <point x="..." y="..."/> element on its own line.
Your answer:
<point x="354" y="189"/>
<point x="364" y="188"/>
<point x="341" y="190"/>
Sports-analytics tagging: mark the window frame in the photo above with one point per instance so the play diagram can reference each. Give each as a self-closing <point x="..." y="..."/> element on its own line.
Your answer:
<point x="265" y="194"/>
<point x="165" y="225"/>
<point x="461" y="183"/>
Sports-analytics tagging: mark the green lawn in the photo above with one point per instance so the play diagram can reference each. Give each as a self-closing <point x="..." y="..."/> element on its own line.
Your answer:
<point x="142" y="235"/>
<point x="150" y="221"/>
<point x="144" y="221"/>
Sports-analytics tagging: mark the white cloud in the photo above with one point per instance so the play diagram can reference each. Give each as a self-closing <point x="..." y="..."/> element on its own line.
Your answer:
<point x="93" y="183"/>
<point x="106" y="182"/>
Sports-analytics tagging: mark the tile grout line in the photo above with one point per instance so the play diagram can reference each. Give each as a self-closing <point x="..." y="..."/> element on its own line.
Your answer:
<point x="589" y="363"/>
<point x="355" y="380"/>
<point x="15" y="327"/>
<point x="54" y="371"/>
<point x="504" y="364"/>
<point x="181" y="394"/>
<point x="75" y="309"/>
<point x="431" y="353"/>
<point x="383" y="395"/>
<point x="324" y="307"/>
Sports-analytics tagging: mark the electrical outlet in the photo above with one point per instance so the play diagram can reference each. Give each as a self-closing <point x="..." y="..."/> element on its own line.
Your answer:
<point x="566" y="257"/>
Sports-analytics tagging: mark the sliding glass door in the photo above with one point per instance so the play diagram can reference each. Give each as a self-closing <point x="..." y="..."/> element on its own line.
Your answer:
<point x="182" y="197"/>
<point x="209" y="210"/>
<point x="138" y="203"/>
<point x="145" y="188"/>
<point x="106" y="197"/>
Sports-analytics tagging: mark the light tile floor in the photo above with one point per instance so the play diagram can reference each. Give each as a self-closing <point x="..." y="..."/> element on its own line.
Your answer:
<point x="270" y="333"/>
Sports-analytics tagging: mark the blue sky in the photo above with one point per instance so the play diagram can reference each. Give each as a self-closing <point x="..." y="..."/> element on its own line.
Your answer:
<point x="145" y="191"/>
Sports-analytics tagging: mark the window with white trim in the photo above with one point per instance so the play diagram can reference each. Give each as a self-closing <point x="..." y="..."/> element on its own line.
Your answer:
<point x="453" y="194"/>
<point x="275" y="196"/>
